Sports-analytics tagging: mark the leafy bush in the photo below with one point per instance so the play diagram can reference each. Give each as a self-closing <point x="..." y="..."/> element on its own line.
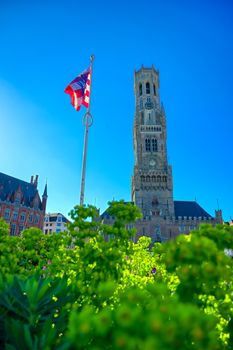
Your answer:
<point x="77" y="290"/>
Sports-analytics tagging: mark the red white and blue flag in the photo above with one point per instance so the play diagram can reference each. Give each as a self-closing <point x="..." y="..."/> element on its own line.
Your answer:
<point x="79" y="89"/>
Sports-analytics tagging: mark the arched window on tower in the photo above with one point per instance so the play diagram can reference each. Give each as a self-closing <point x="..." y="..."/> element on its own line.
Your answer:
<point x="154" y="145"/>
<point x="154" y="88"/>
<point x="147" y="145"/>
<point x="147" y="88"/>
<point x="140" y="89"/>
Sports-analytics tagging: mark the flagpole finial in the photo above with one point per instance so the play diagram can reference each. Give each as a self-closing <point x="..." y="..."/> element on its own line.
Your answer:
<point x="92" y="57"/>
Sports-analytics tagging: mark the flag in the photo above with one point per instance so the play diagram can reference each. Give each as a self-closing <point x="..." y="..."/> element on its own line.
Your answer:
<point x="79" y="90"/>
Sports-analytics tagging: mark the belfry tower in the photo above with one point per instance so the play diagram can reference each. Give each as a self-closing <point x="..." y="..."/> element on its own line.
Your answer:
<point x="152" y="188"/>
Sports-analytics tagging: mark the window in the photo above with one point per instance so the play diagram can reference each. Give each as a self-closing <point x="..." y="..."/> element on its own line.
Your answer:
<point x="59" y="218"/>
<point x="147" y="88"/>
<point x="15" y="215"/>
<point x="13" y="230"/>
<point x="154" y="88"/>
<point x="30" y="218"/>
<point x="46" y="219"/>
<point x="154" y="145"/>
<point x="46" y="231"/>
<point x="22" y="217"/>
<point x="36" y="203"/>
<point x="148" y="100"/>
<point x="140" y="89"/>
<point x="58" y="224"/>
<point x="36" y="220"/>
<point x="21" y="228"/>
<point x="147" y="145"/>
<point x="7" y="214"/>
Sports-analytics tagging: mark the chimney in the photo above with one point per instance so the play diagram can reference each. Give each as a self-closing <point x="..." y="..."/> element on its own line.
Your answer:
<point x="32" y="179"/>
<point x="36" y="181"/>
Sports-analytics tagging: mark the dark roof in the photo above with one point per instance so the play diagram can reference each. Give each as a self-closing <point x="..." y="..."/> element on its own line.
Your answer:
<point x="53" y="217"/>
<point x="190" y="208"/>
<point x="9" y="185"/>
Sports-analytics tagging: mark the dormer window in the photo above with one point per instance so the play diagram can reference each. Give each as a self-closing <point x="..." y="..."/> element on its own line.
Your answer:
<point x="22" y="217"/>
<point x="147" y="88"/>
<point x="36" y="203"/>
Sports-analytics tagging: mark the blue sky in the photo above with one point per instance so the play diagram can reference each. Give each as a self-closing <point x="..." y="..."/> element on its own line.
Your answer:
<point x="45" y="44"/>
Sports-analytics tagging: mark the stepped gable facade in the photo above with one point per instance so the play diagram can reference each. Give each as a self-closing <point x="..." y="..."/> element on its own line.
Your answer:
<point x="20" y="203"/>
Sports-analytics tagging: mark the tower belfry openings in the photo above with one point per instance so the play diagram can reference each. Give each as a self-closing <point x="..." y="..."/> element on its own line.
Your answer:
<point x="152" y="185"/>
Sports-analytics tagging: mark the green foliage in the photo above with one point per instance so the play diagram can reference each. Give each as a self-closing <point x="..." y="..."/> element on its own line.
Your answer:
<point x="148" y="318"/>
<point x="32" y="311"/>
<point x="91" y="287"/>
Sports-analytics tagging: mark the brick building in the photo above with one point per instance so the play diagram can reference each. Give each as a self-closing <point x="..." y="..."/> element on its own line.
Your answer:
<point x="20" y="203"/>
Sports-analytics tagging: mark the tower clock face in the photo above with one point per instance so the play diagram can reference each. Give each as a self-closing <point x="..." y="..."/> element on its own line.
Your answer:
<point x="152" y="162"/>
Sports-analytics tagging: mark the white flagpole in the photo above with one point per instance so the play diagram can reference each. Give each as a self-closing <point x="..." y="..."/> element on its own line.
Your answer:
<point x="87" y="122"/>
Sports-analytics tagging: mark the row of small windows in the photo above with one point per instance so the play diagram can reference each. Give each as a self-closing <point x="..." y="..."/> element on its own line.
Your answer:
<point x="148" y="89"/>
<point x="153" y="178"/>
<point x="151" y="128"/>
<point x="22" y="217"/>
<point x="151" y="145"/>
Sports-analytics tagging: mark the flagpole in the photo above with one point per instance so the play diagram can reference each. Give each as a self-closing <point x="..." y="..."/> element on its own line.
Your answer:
<point x="87" y="122"/>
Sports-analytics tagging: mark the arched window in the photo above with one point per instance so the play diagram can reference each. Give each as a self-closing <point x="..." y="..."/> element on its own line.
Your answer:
<point x="147" y="145"/>
<point x="147" y="88"/>
<point x="154" y="145"/>
<point x="140" y="89"/>
<point x="158" y="178"/>
<point x="153" y="178"/>
<point x="148" y="178"/>
<point x="154" y="88"/>
<point x="142" y="178"/>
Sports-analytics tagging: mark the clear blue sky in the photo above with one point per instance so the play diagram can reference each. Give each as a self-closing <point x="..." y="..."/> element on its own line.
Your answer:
<point x="44" y="44"/>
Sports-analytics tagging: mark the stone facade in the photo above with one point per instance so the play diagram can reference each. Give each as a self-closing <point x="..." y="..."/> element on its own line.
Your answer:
<point x="20" y="203"/>
<point x="152" y="183"/>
